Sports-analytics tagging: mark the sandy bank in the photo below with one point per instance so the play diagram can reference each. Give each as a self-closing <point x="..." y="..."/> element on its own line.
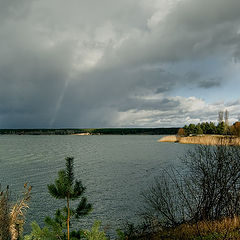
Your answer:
<point x="82" y="134"/>
<point x="170" y="138"/>
<point x="203" y="139"/>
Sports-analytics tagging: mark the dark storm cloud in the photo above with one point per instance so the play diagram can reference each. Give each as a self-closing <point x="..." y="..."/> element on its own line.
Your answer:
<point x="31" y="77"/>
<point x="193" y="29"/>
<point x="14" y="9"/>
<point x="90" y="63"/>
<point x="193" y="76"/>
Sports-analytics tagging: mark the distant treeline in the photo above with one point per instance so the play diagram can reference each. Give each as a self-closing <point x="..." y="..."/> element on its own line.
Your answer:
<point x="93" y="131"/>
<point x="206" y="128"/>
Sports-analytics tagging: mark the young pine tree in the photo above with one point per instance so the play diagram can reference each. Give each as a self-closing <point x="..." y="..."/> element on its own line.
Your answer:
<point x="67" y="188"/>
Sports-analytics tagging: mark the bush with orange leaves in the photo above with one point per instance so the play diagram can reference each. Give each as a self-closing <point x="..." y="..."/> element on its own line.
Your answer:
<point x="235" y="129"/>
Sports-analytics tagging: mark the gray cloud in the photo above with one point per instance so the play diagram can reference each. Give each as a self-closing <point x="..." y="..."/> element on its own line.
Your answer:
<point x="143" y="104"/>
<point x="213" y="82"/>
<point x="98" y="63"/>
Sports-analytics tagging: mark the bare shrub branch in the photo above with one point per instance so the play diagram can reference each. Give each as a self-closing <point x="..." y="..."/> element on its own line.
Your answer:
<point x="208" y="188"/>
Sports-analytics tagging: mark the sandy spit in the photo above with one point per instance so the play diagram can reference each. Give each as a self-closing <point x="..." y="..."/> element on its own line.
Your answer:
<point x="82" y="134"/>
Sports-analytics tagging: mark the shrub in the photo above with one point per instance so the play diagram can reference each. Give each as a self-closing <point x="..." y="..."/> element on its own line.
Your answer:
<point x="181" y="132"/>
<point x="207" y="189"/>
<point x="95" y="233"/>
<point x="235" y="129"/>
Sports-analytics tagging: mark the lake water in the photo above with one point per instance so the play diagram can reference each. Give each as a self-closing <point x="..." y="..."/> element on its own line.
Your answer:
<point x="115" y="169"/>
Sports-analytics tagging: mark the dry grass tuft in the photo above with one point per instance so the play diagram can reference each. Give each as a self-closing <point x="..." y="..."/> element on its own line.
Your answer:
<point x="17" y="214"/>
<point x="4" y="215"/>
<point x="227" y="228"/>
<point x="222" y="229"/>
<point x="13" y="219"/>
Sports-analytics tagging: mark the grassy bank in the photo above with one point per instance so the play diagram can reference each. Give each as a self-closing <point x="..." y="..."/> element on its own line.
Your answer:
<point x="226" y="228"/>
<point x="203" y="139"/>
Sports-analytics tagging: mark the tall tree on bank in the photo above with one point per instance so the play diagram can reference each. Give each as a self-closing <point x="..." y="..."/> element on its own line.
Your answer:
<point x="226" y="117"/>
<point x="67" y="188"/>
<point x="220" y="116"/>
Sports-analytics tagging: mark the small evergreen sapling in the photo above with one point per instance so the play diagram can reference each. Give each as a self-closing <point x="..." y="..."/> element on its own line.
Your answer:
<point x="66" y="187"/>
<point x="95" y="233"/>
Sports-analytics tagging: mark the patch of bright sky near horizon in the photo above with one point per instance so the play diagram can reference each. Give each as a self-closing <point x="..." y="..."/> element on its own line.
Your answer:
<point x="227" y="80"/>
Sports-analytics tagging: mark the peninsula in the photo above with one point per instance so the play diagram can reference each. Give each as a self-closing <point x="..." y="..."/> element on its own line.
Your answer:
<point x="207" y="134"/>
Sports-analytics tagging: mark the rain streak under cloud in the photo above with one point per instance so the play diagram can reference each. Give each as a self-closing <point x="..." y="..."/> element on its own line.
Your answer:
<point x="129" y="63"/>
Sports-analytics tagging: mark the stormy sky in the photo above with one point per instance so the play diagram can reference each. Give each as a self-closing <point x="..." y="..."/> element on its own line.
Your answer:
<point x="128" y="63"/>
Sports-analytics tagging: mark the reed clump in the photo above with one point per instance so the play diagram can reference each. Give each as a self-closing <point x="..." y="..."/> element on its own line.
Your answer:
<point x="12" y="217"/>
<point x="210" y="140"/>
<point x="203" y="140"/>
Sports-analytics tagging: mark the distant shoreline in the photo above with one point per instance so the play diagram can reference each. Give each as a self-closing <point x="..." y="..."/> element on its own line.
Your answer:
<point x="203" y="140"/>
<point x="92" y="131"/>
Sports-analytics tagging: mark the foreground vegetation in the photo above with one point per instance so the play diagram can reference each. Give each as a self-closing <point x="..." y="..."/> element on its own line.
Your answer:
<point x="201" y="201"/>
